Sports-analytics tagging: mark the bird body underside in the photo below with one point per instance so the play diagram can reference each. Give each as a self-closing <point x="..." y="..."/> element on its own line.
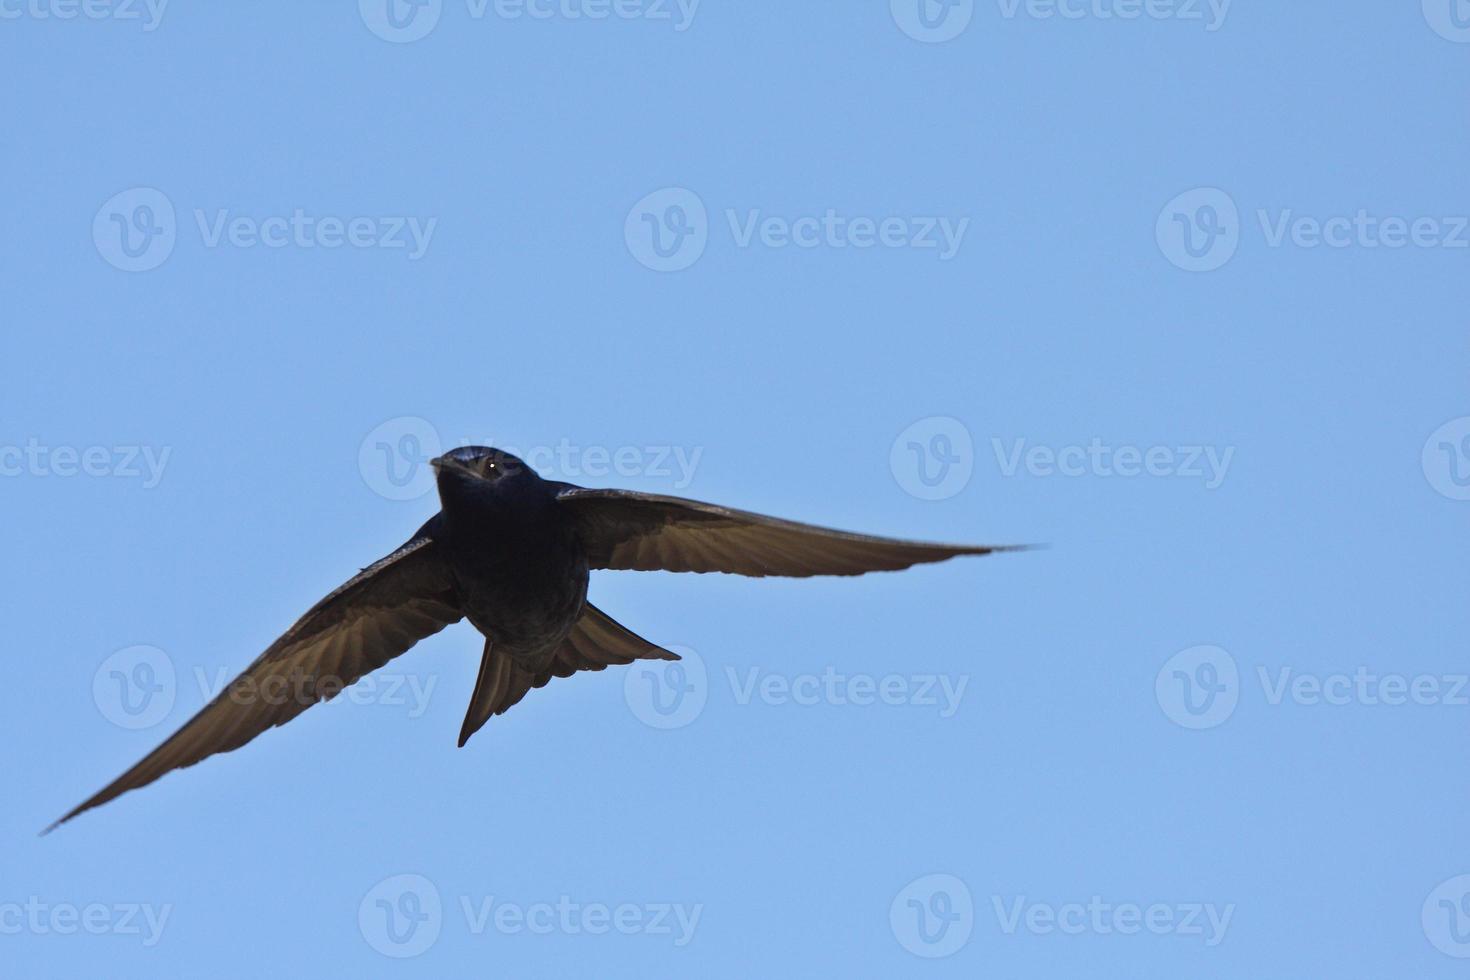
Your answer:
<point x="510" y="552"/>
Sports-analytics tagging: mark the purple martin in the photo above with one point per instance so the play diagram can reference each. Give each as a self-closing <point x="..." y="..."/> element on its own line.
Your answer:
<point x="510" y="552"/>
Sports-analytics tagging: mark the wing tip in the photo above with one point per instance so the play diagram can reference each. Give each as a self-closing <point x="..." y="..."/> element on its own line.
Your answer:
<point x="1003" y="548"/>
<point x="58" y="822"/>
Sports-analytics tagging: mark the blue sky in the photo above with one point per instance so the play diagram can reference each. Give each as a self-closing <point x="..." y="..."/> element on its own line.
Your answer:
<point x="1175" y="287"/>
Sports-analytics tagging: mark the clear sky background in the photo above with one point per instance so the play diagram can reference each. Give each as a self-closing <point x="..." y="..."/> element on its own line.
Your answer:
<point x="1246" y="447"/>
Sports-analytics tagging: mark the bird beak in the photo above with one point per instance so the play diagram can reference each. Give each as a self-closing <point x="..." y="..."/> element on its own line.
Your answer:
<point x="441" y="463"/>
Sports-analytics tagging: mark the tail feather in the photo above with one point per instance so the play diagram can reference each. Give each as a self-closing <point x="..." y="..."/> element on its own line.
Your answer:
<point x="595" y="643"/>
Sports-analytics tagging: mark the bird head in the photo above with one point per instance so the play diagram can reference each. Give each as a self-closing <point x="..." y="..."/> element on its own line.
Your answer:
<point x="477" y="464"/>
<point x="472" y="469"/>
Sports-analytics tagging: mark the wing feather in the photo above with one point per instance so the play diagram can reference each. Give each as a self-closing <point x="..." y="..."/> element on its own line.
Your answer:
<point x="372" y="618"/>
<point x="622" y="529"/>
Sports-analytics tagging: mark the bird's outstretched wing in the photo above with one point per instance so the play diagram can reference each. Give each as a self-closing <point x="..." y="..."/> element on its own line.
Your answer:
<point x="375" y="616"/>
<point x="648" y="532"/>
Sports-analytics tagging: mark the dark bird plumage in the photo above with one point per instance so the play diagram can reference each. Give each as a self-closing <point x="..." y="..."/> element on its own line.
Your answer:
<point x="510" y="552"/>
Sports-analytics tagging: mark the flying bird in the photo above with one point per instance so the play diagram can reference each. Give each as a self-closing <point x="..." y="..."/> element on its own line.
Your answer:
<point x="510" y="552"/>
